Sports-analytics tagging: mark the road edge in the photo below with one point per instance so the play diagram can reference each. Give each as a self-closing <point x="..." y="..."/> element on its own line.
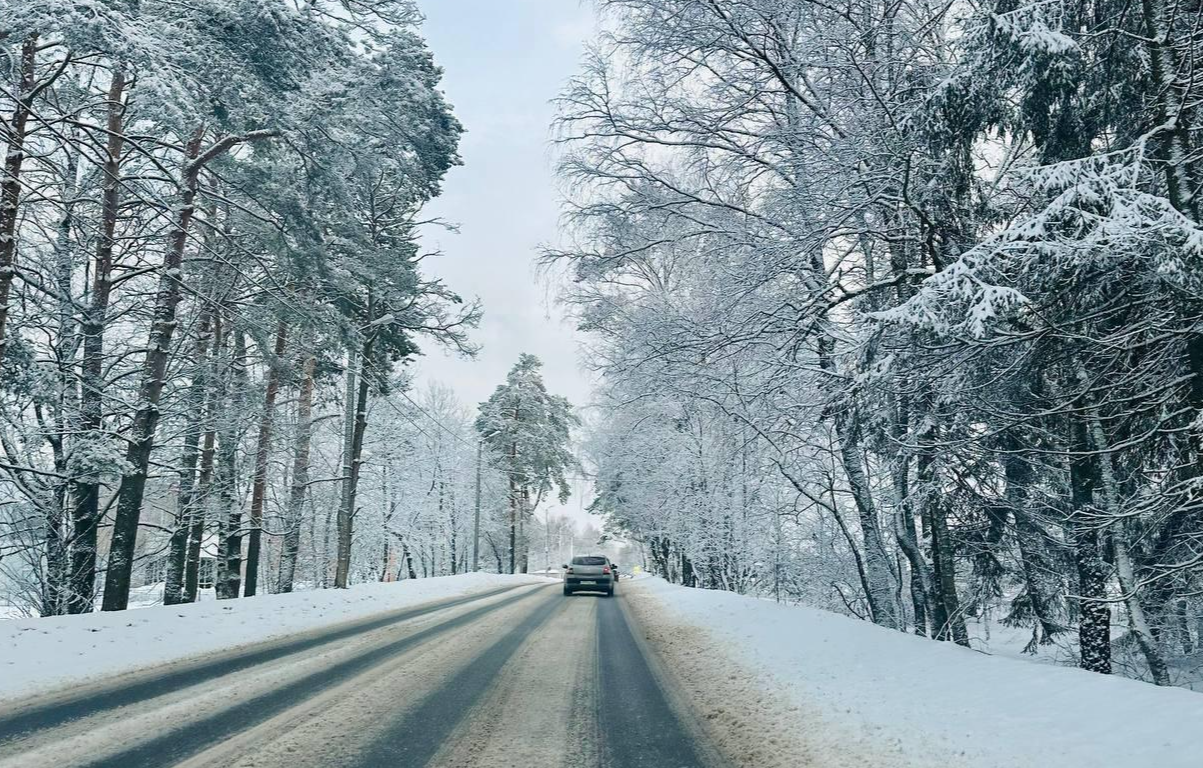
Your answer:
<point x="675" y="691"/>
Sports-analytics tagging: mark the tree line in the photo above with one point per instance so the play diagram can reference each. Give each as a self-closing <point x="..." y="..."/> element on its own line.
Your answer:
<point x="896" y="306"/>
<point x="209" y="275"/>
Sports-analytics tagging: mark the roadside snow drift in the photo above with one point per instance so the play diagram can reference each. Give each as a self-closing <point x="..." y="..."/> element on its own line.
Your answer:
<point x="789" y="686"/>
<point x="44" y="654"/>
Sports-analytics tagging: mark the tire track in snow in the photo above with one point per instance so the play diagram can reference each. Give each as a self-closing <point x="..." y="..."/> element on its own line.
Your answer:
<point x="195" y="735"/>
<point x="541" y="709"/>
<point x="416" y="738"/>
<point x="641" y="724"/>
<point x="46" y="712"/>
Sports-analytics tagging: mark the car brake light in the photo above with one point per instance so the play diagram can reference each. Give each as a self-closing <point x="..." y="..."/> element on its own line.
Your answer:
<point x="606" y="569"/>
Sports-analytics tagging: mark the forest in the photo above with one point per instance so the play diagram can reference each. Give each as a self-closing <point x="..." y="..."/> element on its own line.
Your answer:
<point x="897" y="309"/>
<point x="210" y="287"/>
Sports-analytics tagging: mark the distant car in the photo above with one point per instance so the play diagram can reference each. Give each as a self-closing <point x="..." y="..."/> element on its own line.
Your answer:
<point x="592" y="573"/>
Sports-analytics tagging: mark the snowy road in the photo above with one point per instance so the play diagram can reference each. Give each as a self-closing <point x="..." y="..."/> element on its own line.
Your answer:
<point x="515" y="677"/>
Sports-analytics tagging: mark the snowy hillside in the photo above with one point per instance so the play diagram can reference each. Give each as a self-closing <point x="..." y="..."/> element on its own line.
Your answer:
<point x="790" y="681"/>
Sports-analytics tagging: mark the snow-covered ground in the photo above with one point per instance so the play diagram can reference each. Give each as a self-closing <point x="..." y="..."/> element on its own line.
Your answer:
<point x="784" y="685"/>
<point x="997" y="639"/>
<point x="43" y="654"/>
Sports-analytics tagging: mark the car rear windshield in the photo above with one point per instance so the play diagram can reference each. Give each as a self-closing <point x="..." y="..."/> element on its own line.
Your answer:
<point x="588" y="561"/>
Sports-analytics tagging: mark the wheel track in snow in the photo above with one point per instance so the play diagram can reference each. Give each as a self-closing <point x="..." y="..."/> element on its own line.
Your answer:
<point x="530" y="678"/>
<point x="78" y="702"/>
<point x="334" y="653"/>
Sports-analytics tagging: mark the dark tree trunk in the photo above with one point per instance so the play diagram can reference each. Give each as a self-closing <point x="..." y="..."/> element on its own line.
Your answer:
<point x="53" y="592"/>
<point x="688" y="576"/>
<point x="146" y="420"/>
<point x="204" y="484"/>
<point x="408" y="557"/>
<point x="300" y="476"/>
<point x="174" y="590"/>
<point x="1094" y="623"/>
<point x="1182" y="627"/>
<point x="259" y="487"/>
<point x="922" y="577"/>
<point x="880" y="595"/>
<point x="57" y="593"/>
<point x="522" y="513"/>
<point x="85" y="513"/>
<point x="497" y="555"/>
<point x="229" y="557"/>
<point x="346" y="512"/>
<point x="947" y="620"/>
<point x="10" y="188"/>
<point x="1035" y="566"/>
<point x="513" y="522"/>
<point x="154" y="370"/>
<point x="953" y="626"/>
<point x="196" y="531"/>
<point x="514" y="501"/>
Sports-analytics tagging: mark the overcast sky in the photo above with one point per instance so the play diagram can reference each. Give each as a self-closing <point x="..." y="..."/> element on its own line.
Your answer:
<point x="504" y="62"/>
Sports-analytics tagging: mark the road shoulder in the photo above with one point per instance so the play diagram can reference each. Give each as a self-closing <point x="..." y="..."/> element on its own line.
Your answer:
<point x="744" y="715"/>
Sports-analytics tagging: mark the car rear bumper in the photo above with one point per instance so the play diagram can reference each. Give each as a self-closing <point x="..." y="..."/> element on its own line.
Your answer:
<point x="601" y="582"/>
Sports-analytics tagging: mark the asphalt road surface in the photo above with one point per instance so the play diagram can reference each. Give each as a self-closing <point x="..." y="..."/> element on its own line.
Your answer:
<point x="515" y="677"/>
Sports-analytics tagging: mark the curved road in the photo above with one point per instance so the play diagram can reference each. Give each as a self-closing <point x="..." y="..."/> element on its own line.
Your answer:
<point x="514" y="677"/>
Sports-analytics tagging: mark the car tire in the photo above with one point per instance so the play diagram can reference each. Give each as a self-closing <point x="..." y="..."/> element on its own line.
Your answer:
<point x="610" y="592"/>
<point x="567" y="591"/>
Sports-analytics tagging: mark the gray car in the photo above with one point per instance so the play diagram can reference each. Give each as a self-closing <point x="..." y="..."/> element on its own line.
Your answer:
<point x="592" y="573"/>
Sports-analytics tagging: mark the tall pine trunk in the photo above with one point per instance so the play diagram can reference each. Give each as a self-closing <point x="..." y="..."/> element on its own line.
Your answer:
<point x="513" y="524"/>
<point x="85" y="514"/>
<point x="56" y="596"/>
<point x="1094" y="623"/>
<point x="523" y="512"/>
<point x="259" y="485"/>
<point x="204" y="482"/>
<point x="228" y="582"/>
<point x="922" y="579"/>
<point x="877" y="568"/>
<point x="357" y="423"/>
<point x="453" y="538"/>
<point x="154" y="371"/>
<point x="300" y="477"/>
<point x="1137" y="618"/>
<point x="347" y="498"/>
<point x="880" y="593"/>
<point x="1035" y="567"/>
<point x="10" y="188"/>
<point x="174" y="590"/>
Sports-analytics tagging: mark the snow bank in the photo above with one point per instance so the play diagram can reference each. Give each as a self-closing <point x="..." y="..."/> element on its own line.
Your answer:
<point x="43" y="654"/>
<point x="830" y="681"/>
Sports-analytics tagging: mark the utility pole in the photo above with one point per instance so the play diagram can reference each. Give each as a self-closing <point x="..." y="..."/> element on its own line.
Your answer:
<point x="476" y="519"/>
